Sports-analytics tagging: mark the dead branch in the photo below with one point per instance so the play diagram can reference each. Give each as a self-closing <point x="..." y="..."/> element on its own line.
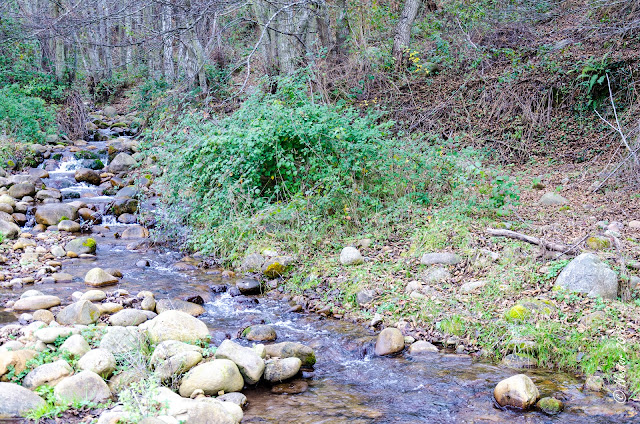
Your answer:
<point x="557" y="247"/>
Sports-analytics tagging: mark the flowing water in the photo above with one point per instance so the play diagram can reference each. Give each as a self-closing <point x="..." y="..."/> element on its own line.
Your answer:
<point x="348" y="383"/>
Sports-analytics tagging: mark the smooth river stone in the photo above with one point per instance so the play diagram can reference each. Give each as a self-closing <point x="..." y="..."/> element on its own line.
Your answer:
<point x="33" y="303"/>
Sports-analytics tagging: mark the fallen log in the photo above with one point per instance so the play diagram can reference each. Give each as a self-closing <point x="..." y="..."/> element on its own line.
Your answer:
<point x="556" y="247"/>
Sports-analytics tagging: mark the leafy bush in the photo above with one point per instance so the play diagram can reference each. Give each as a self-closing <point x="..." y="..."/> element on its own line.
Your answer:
<point x="283" y="153"/>
<point x="25" y="118"/>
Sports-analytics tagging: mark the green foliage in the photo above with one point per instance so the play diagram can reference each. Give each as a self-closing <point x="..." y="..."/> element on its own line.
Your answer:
<point x="53" y="409"/>
<point x="504" y="193"/>
<point x="593" y="80"/>
<point x="25" y="118"/>
<point x="285" y="154"/>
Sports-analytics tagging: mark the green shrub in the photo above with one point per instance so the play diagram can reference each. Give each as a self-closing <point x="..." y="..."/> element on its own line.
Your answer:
<point x="284" y="154"/>
<point x="25" y="118"/>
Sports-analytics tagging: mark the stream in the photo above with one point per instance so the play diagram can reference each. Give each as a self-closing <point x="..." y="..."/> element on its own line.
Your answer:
<point x="349" y="384"/>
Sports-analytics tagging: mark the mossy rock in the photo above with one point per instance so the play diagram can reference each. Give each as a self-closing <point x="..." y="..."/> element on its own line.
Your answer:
<point x="81" y="245"/>
<point x="598" y="243"/>
<point x="517" y="313"/>
<point x="550" y="406"/>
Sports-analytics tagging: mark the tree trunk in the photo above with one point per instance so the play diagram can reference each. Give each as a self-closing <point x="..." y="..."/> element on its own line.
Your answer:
<point x="167" y="45"/>
<point x="342" y="29"/>
<point x="403" y="29"/>
<point x="59" y="47"/>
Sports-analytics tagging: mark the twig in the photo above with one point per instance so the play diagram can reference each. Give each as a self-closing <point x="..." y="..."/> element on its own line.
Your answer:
<point x="530" y="239"/>
<point x="612" y="173"/>
<point x="572" y="248"/>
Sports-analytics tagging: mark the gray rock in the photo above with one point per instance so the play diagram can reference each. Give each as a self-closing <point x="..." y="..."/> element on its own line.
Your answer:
<point x="249" y="286"/>
<point x="76" y="345"/>
<point x="85" y="175"/>
<point x="50" y="334"/>
<point x="122" y="163"/>
<point x="350" y="256"/>
<point x="422" y="347"/>
<point x="278" y="370"/>
<point x="100" y="361"/>
<point x="81" y="245"/>
<point x="249" y="363"/>
<point x="172" y="358"/>
<point x="122" y="206"/>
<point x="53" y="213"/>
<point x="389" y="341"/>
<point x="49" y="196"/>
<point x="176" y="325"/>
<point x="517" y="392"/>
<point x="69" y="226"/>
<point x="32" y="303"/>
<point x="588" y="274"/>
<point x="436" y="275"/>
<point x="472" y="286"/>
<point x="94" y="296"/>
<point x="212" y="377"/>
<point x="128" y="317"/>
<point x="135" y="232"/>
<point x="260" y="333"/>
<point x="292" y="349"/>
<point x="85" y="386"/>
<point x="365" y="296"/>
<point x="235" y="398"/>
<point x="97" y="277"/>
<point x="127" y="192"/>
<point x="440" y="258"/>
<point x="190" y="308"/>
<point x="118" y="340"/>
<point x="18" y="191"/>
<point x="9" y="230"/>
<point x="16" y="400"/>
<point x="81" y="312"/>
<point x="49" y="374"/>
<point x="252" y="263"/>
<point x="552" y="199"/>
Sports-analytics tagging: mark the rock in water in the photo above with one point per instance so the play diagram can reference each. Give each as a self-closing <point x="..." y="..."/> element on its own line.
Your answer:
<point x="81" y="245"/>
<point x="122" y="163"/>
<point x="249" y="286"/>
<point x="290" y="350"/>
<point x="422" y="347"/>
<point x="251" y="365"/>
<point x="134" y="232"/>
<point x="260" y="333"/>
<point x="97" y="277"/>
<point x="18" y="191"/>
<point x="69" y="226"/>
<point x="390" y="340"/>
<point x="192" y="309"/>
<point x="517" y="391"/>
<point x="53" y="213"/>
<point x="588" y="274"/>
<point x="212" y="377"/>
<point x="176" y="325"/>
<point x="350" y="256"/>
<point x="15" y="400"/>
<point x="278" y="370"/>
<point x="550" y="406"/>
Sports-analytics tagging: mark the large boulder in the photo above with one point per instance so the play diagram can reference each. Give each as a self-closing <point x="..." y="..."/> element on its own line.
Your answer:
<point x="588" y="274"/>
<point x="82" y="312"/>
<point x="16" y="360"/>
<point x="389" y="341"/>
<point x="98" y="277"/>
<point x="81" y="245"/>
<point x="16" y="400"/>
<point x="100" y="361"/>
<point x="260" y="333"/>
<point x="212" y="377"/>
<point x="33" y="303"/>
<point x="18" y="191"/>
<point x="53" y="213"/>
<point x="193" y="411"/>
<point x="190" y="308"/>
<point x="176" y="325"/>
<point x="517" y="392"/>
<point x="86" y="175"/>
<point x="135" y="232"/>
<point x="122" y="206"/>
<point x="86" y="386"/>
<point x="249" y="363"/>
<point x="278" y="370"/>
<point x="171" y="358"/>
<point x="9" y="230"/>
<point x="122" y="163"/>
<point x="290" y="350"/>
<point x="118" y="340"/>
<point x="49" y="374"/>
<point x="128" y="317"/>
